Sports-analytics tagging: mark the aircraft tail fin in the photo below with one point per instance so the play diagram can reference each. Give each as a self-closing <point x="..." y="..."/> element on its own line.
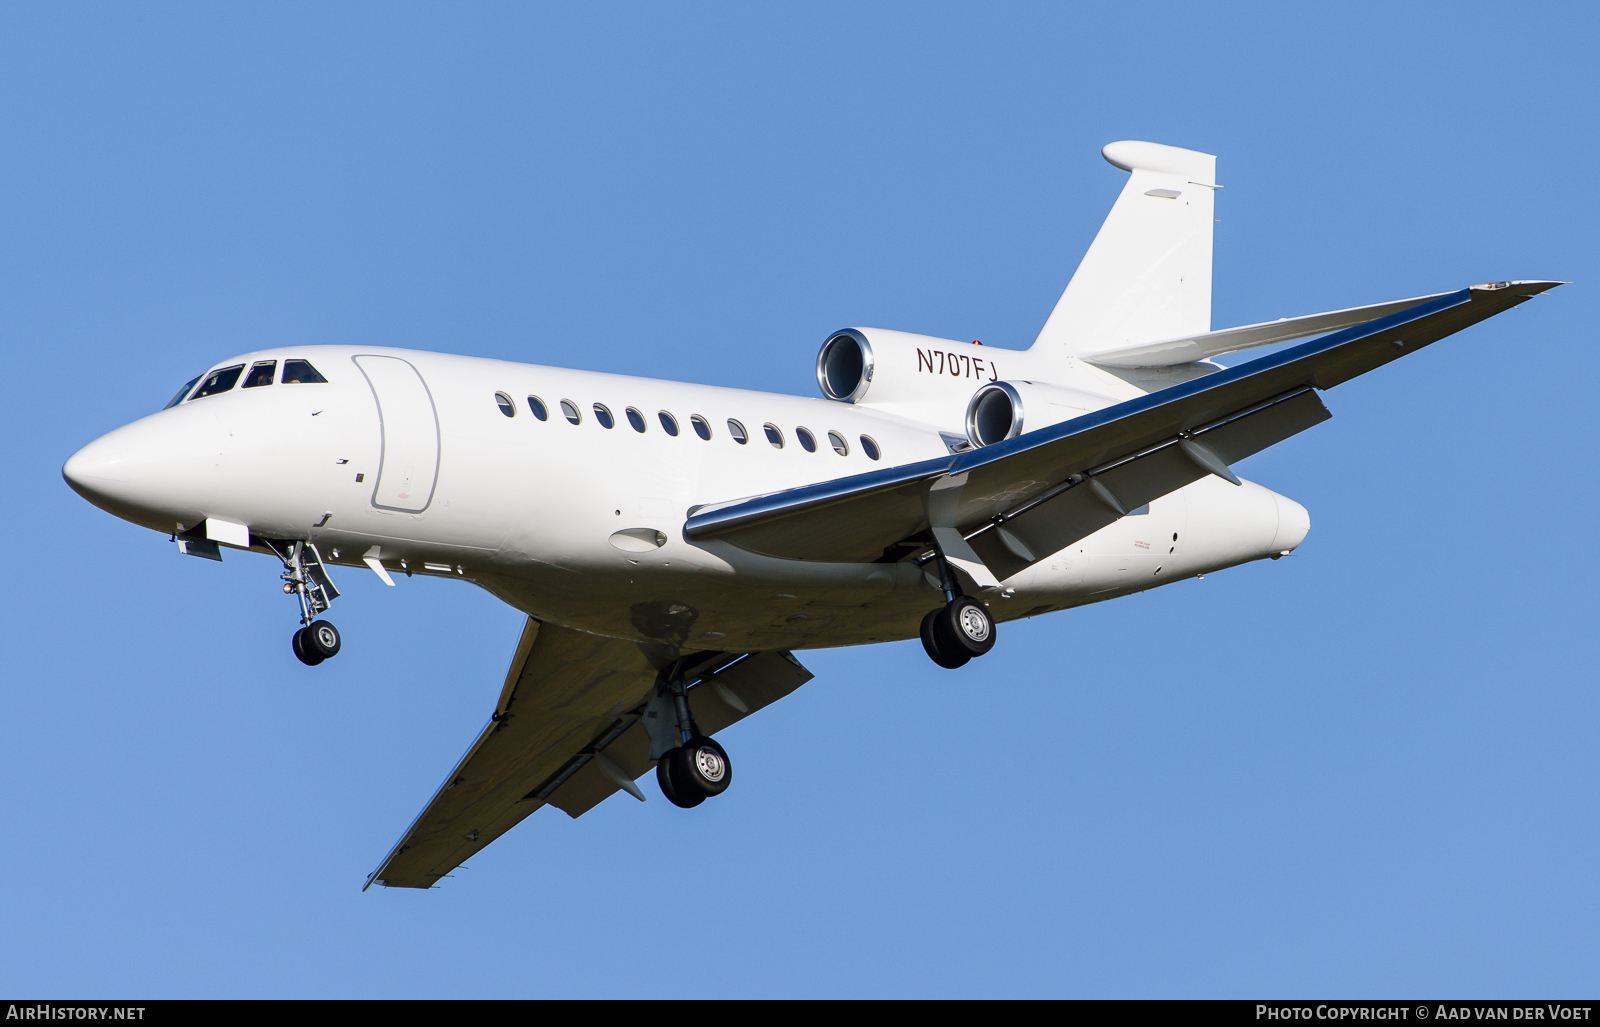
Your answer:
<point x="1147" y="275"/>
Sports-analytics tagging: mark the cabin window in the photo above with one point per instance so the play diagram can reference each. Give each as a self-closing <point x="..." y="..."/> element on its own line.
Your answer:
<point x="537" y="408"/>
<point x="220" y="381"/>
<point x="774" y="436"/>
<point x="300" y="372"/>
<point x="869" y="447"/>
<point x="636" y="419"/>
<point x="808" y="442"/>
<point x="504" y="403"/>
<point x="569" y="409"/>
<point x="182" y="393"/>
<point x="737" y="431"/>
<point x="702" y="427"/>
<point x="602" y="413"/>
<point x="669" y="424"/>
<point x="260" y="374"/>
<point x="838" y="443"/>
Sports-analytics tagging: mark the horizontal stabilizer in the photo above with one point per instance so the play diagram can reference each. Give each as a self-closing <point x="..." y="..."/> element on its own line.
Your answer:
<point x="1231" y="340"/>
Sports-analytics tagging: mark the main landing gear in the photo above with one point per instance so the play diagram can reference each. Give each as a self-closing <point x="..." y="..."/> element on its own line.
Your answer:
<point x="305" y="578"/>
<point x="690" y="767"/>
<point x="959" y="630"/>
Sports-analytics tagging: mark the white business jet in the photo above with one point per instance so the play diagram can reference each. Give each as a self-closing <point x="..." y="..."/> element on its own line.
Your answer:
<point x="672" y="544"/>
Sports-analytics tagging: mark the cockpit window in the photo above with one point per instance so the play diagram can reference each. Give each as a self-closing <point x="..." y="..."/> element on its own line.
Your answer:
<point x="220" y="381"/>
<point x="260" y="374"/>
<point x="300" y="371"/>
<point x="182" y="393"/>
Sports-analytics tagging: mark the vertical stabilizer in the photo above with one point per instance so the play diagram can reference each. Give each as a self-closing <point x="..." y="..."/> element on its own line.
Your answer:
<point x="1147" y="275"/>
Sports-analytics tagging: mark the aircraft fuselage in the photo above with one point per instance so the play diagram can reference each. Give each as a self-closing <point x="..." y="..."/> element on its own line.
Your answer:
<point x="409" y="457"/>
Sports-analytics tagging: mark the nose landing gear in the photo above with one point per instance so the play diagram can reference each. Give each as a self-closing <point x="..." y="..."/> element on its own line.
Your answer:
<point x="316" y="642"/>
<point x="305" y="578"/>
<point x="959" y="630"/>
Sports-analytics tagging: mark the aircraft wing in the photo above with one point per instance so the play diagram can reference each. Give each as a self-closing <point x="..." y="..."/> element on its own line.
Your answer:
<point x="1020" y="500"/>
<point x="566" y="732"/>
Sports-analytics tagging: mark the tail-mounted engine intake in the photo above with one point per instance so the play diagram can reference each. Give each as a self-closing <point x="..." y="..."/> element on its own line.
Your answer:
<point x="845" y="366"/>
<point x="916" y="376"/>
<point x="1004" y="410"/>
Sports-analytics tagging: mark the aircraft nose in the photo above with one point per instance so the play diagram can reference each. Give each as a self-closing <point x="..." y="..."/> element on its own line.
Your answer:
<point x="96" y="470"/>
<point x="155" y="471"/>
<point x="1294" y="521"/>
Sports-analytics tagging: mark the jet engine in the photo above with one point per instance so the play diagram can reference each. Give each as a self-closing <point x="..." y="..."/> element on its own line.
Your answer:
<point x="916" y="376"/>
<point x="1004" y="410"/>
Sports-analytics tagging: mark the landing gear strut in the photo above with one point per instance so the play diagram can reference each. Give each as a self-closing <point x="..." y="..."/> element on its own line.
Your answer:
<point x="305" y="578"/>
<point x="690" y="767"/>
<point x="959" y="630"/>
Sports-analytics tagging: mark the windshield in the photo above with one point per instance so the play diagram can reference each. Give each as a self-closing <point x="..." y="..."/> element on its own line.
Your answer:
<point x="300" y="372"/>
<point x="260" y="374"/>
<point x="220" y="381"/>
<point x="175" y="400"/>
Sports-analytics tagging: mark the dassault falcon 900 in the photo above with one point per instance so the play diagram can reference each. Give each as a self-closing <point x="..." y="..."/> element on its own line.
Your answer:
<point x="673" y="544"/>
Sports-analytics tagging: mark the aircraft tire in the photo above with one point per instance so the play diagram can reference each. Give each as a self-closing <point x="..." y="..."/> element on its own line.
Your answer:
<point x="964" y="626"/>
<point x="304" y="652"/>
<point x="940" y="651"/>
<point x="702" y="766"/>
<point x="684" y="799"/>
<point x="323" y="639"/>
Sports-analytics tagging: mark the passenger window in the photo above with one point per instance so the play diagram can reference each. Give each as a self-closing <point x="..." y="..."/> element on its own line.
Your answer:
<point x="220" y="381"/>
<point x="636" y="419"/>
<point x="260" y="374"/>
<point x="774" y="436"/>
<point x="570" y="410"/>
<point x="506" y="406"/>
<point x="838" y="443"/>
<point x="808" y="441"/>
<point x="702" y="427"/>
<point x="869" y="447"/>
<point x="301" y="371"/>
<point x="182" y="393"/>
<point x="602" y="413"/>
<point x="737" y="431"/>
<point x="669" y="424"/>
<point x="536" y="406"/>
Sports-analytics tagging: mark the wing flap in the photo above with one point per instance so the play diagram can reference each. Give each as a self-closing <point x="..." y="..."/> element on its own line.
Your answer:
<point x="1077" y="510"/>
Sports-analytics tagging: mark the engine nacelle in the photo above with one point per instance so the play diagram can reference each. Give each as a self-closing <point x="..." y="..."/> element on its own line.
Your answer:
<point x="916" y="376"/>
<point x="1004" y="410"/>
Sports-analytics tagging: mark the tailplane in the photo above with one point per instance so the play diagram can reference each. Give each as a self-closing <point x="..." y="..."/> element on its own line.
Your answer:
<point x="1147" y="275"/>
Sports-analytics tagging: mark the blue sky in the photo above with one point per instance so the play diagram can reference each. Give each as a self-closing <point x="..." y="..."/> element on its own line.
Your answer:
<point x="1366" y="770"/>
